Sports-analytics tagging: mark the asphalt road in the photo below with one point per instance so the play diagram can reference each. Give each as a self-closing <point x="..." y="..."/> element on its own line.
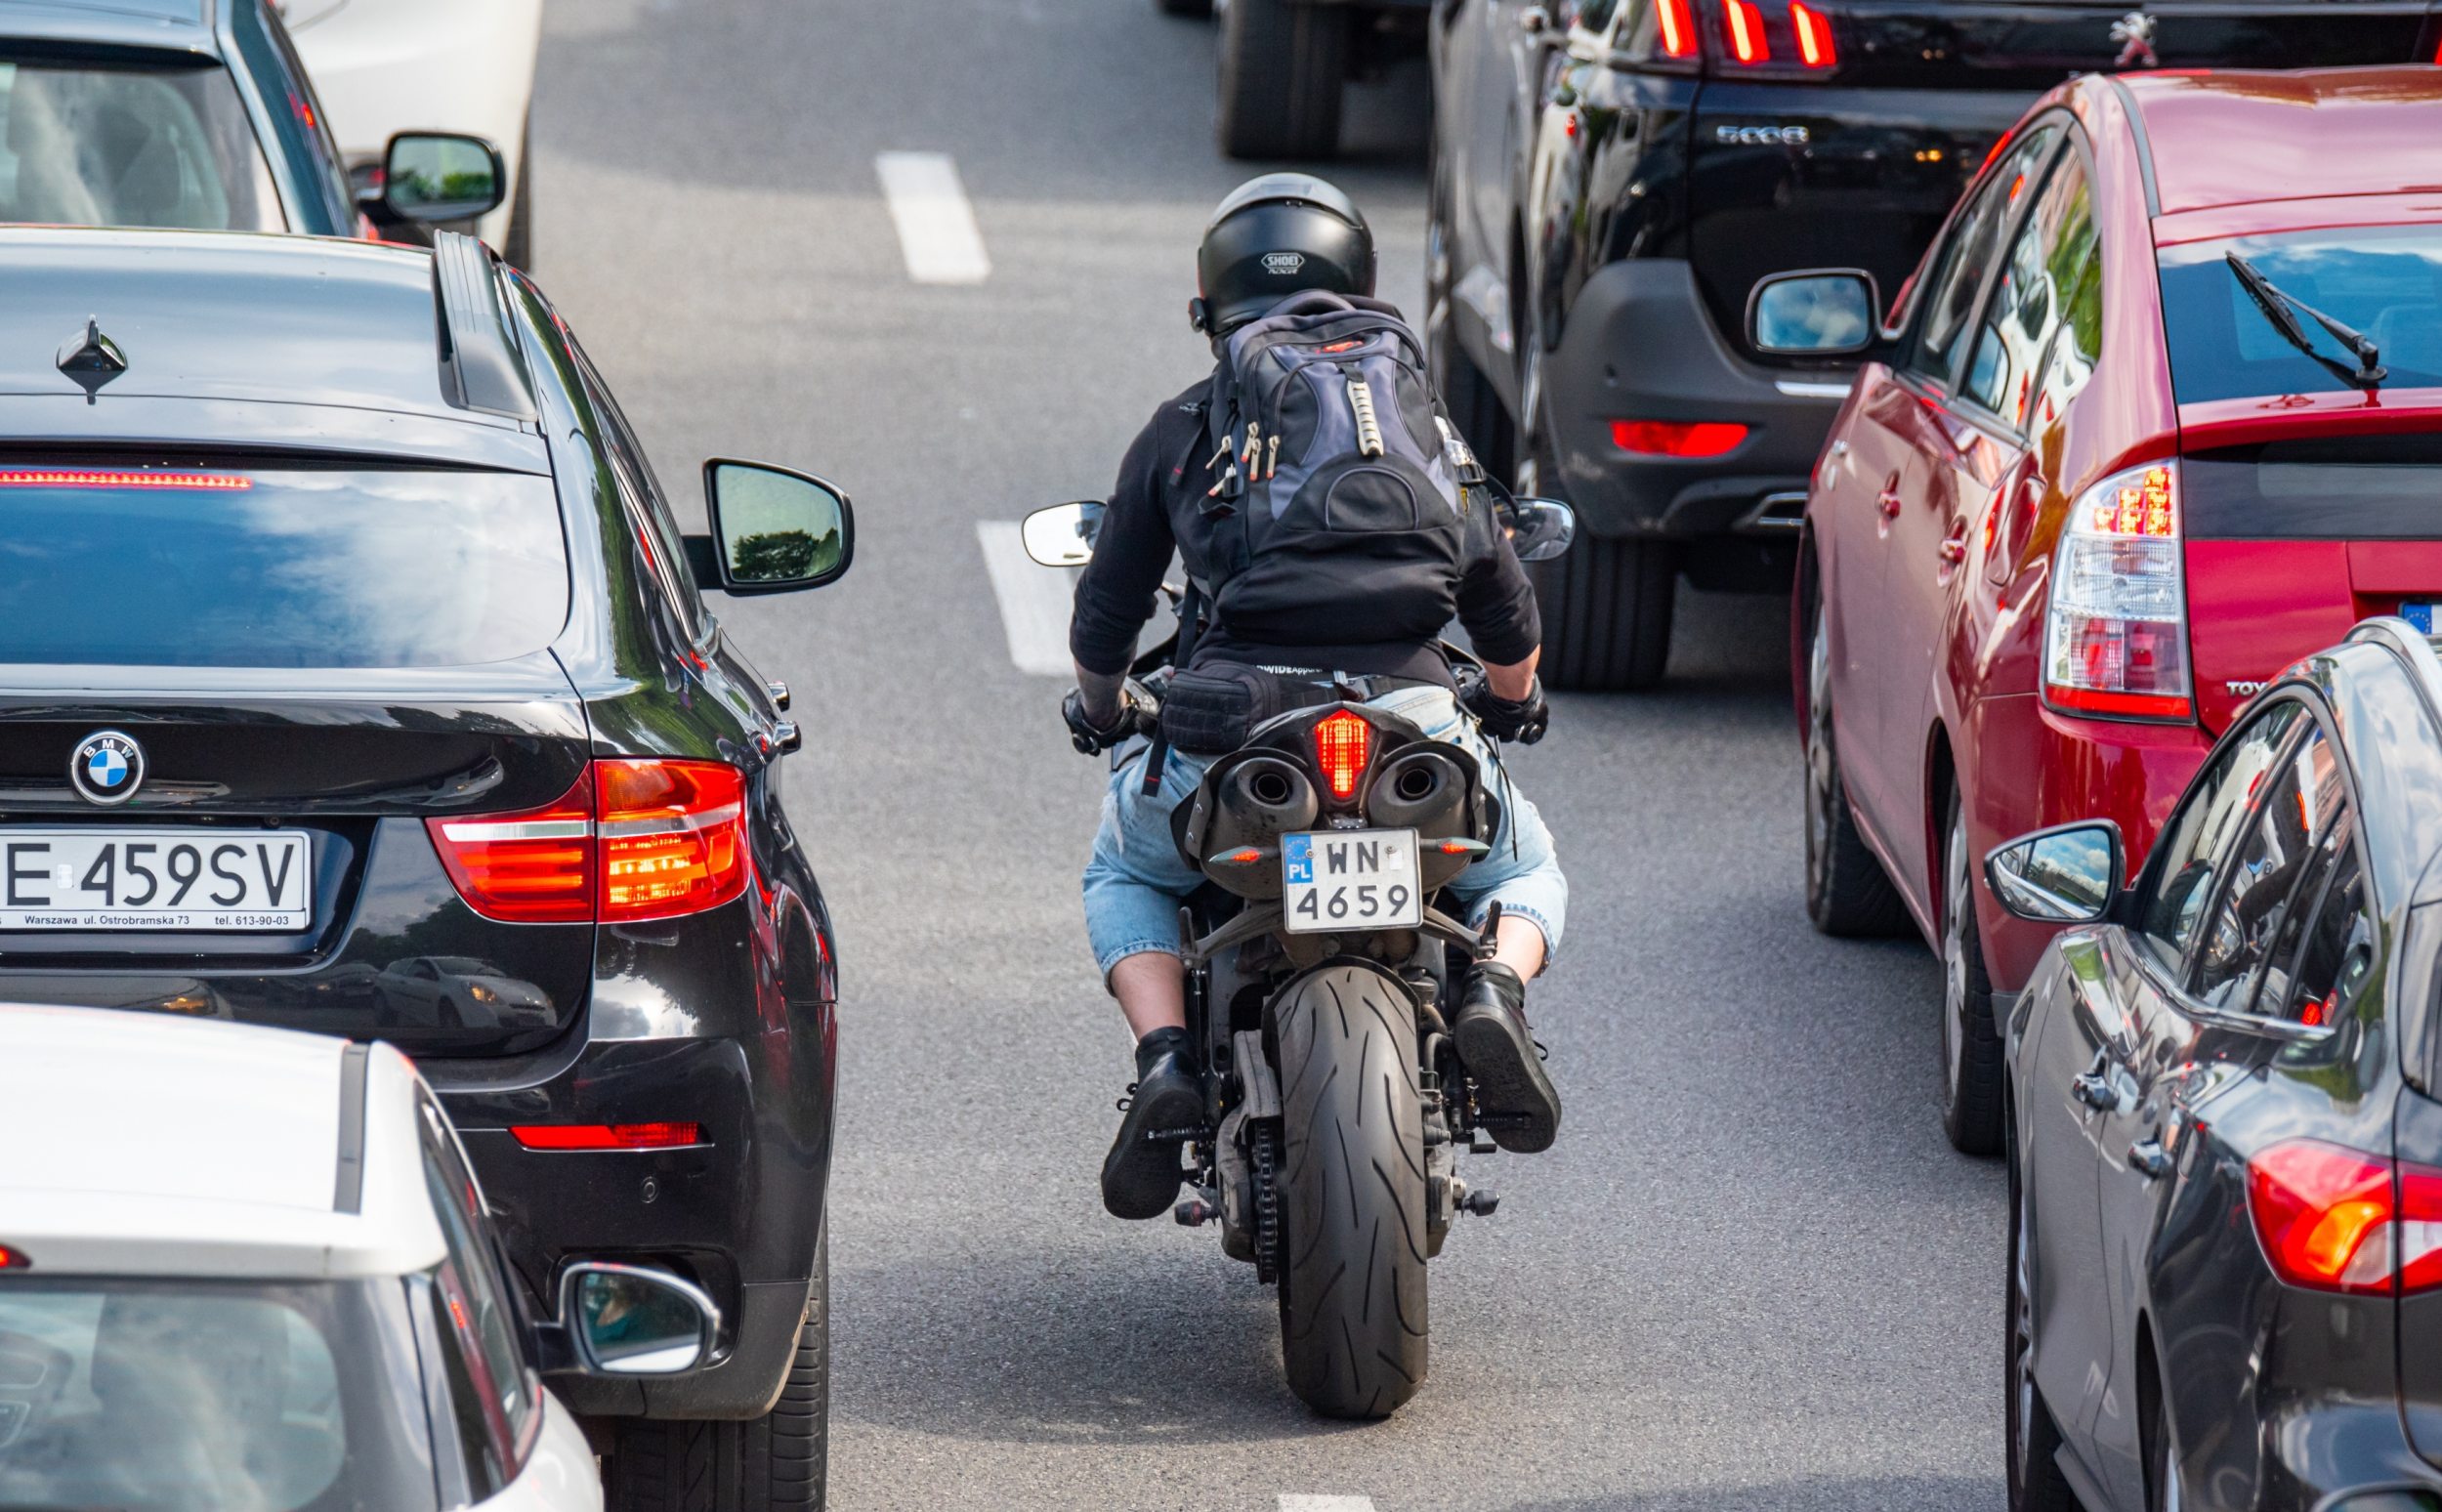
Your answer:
<point x="1751" y="1276"/>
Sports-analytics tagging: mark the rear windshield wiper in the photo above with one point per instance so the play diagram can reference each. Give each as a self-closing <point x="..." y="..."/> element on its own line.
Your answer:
<point x="2278" y="307"/>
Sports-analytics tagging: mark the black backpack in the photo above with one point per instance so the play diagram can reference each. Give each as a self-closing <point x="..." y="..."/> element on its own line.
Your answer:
<point x="1338" y="480"/>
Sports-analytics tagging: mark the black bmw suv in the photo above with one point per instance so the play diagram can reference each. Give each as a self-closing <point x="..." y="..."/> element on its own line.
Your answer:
<point x="1613" y="180"/>
<point x="355" y="677"/>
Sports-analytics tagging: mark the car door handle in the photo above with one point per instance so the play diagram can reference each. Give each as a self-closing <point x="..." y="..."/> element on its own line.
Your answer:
<point x="2149" y="1159"/>
<point x="2093" y="1089"/>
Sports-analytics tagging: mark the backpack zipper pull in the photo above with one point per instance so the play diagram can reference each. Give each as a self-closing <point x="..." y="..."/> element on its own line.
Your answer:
<point x="1271" y="463"/>
<point x="1255" y="446"/>
<point x="1369" y="428"/>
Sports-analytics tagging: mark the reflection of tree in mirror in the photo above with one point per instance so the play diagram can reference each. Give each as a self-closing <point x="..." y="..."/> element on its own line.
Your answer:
<point x="783" y="556"/>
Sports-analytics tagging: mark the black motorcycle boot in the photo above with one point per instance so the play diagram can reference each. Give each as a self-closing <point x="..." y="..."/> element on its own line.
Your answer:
<point x="1141" y="1174"/>
<point x="1520" y="1108"/>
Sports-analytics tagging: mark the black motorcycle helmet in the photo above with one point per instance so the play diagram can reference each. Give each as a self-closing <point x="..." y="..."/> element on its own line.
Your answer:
<point x="1276" y="235"/>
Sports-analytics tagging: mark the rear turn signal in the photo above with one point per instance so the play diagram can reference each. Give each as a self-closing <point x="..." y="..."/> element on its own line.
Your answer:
<point x="2336" y="1219"/>
<point x="608" y="1136"/>
<point x="1677" y="437"/>
<point x="1343" y="745"/>
<point x="633" y="840"/>
<point x="2115" y="629"/>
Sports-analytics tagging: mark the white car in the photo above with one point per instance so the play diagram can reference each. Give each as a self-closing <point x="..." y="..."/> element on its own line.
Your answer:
<point x="384" y="66"/>
<point x="247" y="1268"/>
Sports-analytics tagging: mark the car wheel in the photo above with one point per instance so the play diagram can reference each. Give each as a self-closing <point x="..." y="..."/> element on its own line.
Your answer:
<point x="1971" y="1041"/>
<point x="1606" y="602"/>
<point x="1283" y="67"/>
<point x="778" y="1462"/>
<point x="2161" y="1460"/>
<point x="2036" y="1484"/>
<point x="1848" y="894"/>
<point x="1473" y="405"/>
<point x="519" y="251"/>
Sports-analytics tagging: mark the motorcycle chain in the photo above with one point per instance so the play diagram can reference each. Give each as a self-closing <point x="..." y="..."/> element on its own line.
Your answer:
<point x="1263" y="1160"/>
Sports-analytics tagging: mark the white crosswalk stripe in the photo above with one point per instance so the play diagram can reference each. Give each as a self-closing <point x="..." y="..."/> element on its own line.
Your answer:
<point x="1297" y="1503"/>
<point x="1034" y="599"/>
<point x="937" y="229"/>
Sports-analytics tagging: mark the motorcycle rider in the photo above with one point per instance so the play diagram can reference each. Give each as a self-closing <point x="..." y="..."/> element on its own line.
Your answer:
<point x="1274" y="236"/>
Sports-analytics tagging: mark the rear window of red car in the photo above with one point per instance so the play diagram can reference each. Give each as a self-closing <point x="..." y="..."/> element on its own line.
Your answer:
<point x="2386" y="282"/>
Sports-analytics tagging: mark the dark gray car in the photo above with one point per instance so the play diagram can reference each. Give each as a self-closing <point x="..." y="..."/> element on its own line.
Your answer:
<point x="2226" y="1270"/>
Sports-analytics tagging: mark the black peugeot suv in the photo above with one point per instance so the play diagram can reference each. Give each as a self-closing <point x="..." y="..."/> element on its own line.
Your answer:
<point x="355" y="677"/>
<point x="1613" y="180"/>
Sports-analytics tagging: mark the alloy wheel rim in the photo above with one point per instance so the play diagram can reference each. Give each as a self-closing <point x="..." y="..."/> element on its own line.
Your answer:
<point x="1955" y="905"/>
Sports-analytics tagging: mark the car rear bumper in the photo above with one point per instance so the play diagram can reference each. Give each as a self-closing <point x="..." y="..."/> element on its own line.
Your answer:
<point x="2033" y="767"/>
<point x="1640" y="346"/>
<point x="739" y="1212"/>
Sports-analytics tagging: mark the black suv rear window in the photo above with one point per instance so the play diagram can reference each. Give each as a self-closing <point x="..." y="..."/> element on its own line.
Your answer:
<point x="2384" y="281"/>
<point x="277" y="568"/>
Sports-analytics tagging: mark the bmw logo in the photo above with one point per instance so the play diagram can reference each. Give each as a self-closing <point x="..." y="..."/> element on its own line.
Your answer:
<point x="107" y="766"/>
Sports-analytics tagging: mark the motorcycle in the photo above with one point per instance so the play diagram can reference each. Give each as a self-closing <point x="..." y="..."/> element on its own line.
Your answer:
<point x="1319" y="961"/>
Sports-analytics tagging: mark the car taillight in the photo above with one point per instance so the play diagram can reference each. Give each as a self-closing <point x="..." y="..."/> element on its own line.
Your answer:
<point x="2336" y="1219"/>
<point x="1814" y="36"/>
<point x="1343" y="744"/>
<point x="2115" y="629"/>
<point x="633" y="840"/>
<point x="1678" y="437"/>
<point x="1743" y="22"/>
<point x="673" y="837"/>
<point x="14" y="1259"/>
<point x="608" y="1136"/>
<point x="533" y="868"/>
<point x="1677" y="18"/>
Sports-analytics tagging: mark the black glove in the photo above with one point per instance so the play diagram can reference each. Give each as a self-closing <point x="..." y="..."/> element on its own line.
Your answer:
<point x="1137" y="714"/>
<point x="1523" y="721"/>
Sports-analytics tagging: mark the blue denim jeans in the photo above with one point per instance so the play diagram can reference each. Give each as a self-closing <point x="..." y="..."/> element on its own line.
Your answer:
<point x="1136" y="879"/>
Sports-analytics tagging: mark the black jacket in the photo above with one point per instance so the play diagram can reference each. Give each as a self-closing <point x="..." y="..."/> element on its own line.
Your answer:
<point x="1157" y="507"/>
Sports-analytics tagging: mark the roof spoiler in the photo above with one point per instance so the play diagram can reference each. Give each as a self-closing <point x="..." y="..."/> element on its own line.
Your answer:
<point x="480" y="365"/>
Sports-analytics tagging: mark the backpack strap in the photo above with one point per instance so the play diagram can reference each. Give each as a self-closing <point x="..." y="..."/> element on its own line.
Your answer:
<point x="1190" y="622"/>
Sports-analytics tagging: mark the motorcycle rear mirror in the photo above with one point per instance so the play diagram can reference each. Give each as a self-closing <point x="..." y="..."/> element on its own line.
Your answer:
<point x="1540" y="529"/>
<point x="1063" y="535"/>
<point x="2065" y="875"/>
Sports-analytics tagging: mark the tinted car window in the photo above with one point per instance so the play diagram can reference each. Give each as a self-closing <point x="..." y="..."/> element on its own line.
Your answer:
<point x="2184" y="861"/>
<point x="2325" y="949"/>
<point x="278" y="568"/>
<point x="2295" y="810"/>
<point x="2055" y="268"/>
<point x="649" y="510"/>
<point x="1969" y="253"/>
<point x="176" y="1394"/>
<point x="2385" y="282"/>
<point x="106" y="144"/>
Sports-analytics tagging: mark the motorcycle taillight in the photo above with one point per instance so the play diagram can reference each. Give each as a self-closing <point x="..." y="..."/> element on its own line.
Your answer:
<point x="1343" y="745"/>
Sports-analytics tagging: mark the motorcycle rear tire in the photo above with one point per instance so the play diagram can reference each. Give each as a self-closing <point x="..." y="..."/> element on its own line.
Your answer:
<point x="1353" y="1315"/>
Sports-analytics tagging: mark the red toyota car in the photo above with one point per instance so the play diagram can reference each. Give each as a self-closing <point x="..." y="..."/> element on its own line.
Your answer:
<point x="2159" y="412"/>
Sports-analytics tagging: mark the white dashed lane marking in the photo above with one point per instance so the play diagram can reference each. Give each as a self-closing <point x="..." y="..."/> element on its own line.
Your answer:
<point x="1292" y="1503"/>
<point x="1034" y="602"/>
<point x="937" y="229"/>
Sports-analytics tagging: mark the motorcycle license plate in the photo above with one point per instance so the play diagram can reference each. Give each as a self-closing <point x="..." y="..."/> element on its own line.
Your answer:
<point x="187" y="879"/>
<point x="1341" y="880"/>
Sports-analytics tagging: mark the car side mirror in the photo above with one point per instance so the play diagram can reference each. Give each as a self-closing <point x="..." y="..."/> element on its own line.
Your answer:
<point x="1540" y="529"/>
<point x="774" y="530"/>
<point x="2065" y="875"/>
<point x="431" y="176"/>
<point x="629" y="1320"/>
<point x="1820" y="311"/>
<point x="1063" y="534"/>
